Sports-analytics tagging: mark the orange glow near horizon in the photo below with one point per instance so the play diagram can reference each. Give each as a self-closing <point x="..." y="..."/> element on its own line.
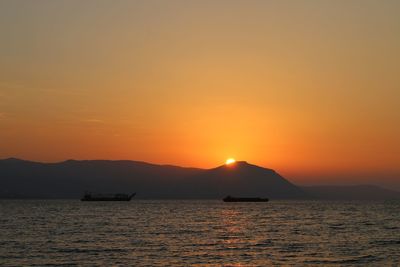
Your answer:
<point x="305" y="88"/>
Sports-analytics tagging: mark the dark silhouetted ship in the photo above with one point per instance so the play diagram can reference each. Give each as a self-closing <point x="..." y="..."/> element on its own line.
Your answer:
<point x="245" y="199"/>
<point x="107" y="197"/>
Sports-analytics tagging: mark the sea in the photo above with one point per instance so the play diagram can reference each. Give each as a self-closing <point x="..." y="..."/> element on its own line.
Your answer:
<point x="199" y="233"/>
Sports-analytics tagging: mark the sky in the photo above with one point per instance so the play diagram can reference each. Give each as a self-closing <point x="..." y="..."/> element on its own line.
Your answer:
<point x="308" y="88"/>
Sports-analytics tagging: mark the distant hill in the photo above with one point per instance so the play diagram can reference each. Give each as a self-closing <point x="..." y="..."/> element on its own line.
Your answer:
<point x="356" y="192"/>
<point x="69" y="179"/>
<point x="244" y="179"/>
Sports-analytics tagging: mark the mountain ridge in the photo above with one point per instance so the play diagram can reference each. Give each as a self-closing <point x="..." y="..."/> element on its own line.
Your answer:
<point x="69" y="178"/>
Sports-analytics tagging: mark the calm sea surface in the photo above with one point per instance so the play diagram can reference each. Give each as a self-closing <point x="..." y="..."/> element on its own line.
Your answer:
<point x="198" y="233"/>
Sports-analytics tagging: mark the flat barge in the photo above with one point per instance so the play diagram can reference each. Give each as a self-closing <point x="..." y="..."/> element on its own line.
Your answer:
<point x="107" y="197"/>
<point x="245" y="199"/>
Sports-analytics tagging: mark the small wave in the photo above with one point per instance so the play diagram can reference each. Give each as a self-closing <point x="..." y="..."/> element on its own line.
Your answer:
<point x="386" y="242"/>
<point x="88" y="250"/>
<point x="391" y="227"/>
<point x="293" y="247"/>
<point x="337" y="226"/>
<point x="359" y="260"/>
<point x="266" y="243"/>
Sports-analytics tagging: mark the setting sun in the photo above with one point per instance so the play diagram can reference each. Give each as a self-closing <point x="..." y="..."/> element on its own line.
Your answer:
<point x="230" y="161"/>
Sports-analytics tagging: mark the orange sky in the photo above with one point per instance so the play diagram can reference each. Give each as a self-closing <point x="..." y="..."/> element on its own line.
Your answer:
<point x="309" y="88"/>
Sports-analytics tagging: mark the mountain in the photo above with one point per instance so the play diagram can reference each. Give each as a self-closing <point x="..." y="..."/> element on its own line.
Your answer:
<point x="355" y="192"/>
<point x="244" y="179"/>
<point x="69" y="179"/>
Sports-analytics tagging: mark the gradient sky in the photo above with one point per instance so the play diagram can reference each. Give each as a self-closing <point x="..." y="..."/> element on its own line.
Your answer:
<point x="309" y="88"/>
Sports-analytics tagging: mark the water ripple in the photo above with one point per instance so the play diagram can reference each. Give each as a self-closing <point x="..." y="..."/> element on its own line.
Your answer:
<point x="199" y="233"/>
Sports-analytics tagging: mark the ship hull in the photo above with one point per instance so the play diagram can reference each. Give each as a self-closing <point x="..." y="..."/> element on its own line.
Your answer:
<point x="117" y="197"/>
<point x="245" y="199"/>
<point x="103" y="199"/>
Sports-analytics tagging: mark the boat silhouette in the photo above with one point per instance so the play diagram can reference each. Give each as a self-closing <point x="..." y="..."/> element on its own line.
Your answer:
<point x="245" y="199"/>
<point x="107" y="197"/>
